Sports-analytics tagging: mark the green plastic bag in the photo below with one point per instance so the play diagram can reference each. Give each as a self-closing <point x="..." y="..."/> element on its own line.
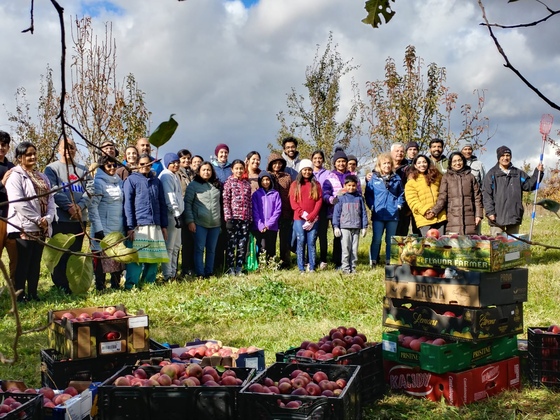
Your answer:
<point x="252" y="263"/>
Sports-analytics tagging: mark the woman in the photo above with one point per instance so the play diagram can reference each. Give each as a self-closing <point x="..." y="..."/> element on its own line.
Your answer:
<point x="306" y="200"/>
<point x="186" y="175"/>
<point x="252" y="170"/>
<point x="321" y="174"/>
<point x="131" y="154"/>
<point x="30" y="220"/>
<point x="384" y="196"/>
<point x="421" y="193"/>
<point x="146" y="223"/>
<point x="203" y="217"/>
<point x="105" y="216"/>
<point x="460" y="196"/>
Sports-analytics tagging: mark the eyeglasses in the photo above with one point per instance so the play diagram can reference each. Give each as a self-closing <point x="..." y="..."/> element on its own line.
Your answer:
<point x="110" y="165"/>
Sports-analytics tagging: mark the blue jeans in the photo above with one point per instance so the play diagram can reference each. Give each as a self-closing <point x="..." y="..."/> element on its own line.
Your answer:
<point x="390" y="228"/>
<point x="303" y="237"/>
<point x="205" y="238"/>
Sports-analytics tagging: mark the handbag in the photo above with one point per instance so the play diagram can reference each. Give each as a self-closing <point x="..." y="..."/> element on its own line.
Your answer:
<point x="252" y="263"/>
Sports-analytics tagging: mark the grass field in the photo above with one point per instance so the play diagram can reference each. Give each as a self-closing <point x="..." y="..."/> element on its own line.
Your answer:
<point x="278" y="309"/>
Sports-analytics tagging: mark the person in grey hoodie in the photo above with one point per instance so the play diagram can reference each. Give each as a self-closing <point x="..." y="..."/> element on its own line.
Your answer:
<point x="477" y="168"/>
<point x="291" y="156"/>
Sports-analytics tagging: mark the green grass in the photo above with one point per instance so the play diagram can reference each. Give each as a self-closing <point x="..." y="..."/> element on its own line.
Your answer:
<point x="278" y="309"/>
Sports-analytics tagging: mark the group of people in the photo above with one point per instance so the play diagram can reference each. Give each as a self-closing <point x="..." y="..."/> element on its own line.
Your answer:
<point x="208" y="211"/>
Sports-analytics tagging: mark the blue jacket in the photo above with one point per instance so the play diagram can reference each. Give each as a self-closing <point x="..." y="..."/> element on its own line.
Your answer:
<point x="350" y="212"/>
<point x="144" y="201"/>
<point x="223" y="171"/>
<point x="106" y="206"/>
<point x="384" y="198"/>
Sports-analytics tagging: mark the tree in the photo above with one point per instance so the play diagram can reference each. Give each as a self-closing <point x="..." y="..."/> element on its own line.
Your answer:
<point x="316" y="118"/>
<point x="405" y="108"/>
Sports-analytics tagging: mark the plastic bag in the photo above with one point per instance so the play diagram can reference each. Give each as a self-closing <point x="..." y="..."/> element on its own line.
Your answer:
<point x="252" y="263"/>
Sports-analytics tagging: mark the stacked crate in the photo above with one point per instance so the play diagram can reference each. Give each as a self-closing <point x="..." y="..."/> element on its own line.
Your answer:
<point x="461" y="299"/>
<point x="544" y="355"/>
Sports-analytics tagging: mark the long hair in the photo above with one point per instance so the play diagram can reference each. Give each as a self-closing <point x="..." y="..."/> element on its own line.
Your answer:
<point x="213" y="178"/>
<point x="21" y="149"/>
<point x="300" y="180"/>
<point x="432" y="174"/>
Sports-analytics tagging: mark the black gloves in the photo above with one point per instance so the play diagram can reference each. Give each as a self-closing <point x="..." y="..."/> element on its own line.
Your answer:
<point x="99" y="235"/>
<point x="178" y="222"/>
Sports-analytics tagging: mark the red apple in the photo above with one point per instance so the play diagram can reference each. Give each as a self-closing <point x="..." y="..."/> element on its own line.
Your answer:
<point x="432" y="233"/>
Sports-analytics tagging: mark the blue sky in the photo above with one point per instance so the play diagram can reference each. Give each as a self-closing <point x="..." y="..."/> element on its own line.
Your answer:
<point x="248" y="3"/>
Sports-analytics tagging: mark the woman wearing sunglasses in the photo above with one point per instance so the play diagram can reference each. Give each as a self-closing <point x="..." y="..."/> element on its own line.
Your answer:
<point x="105" y="215"/>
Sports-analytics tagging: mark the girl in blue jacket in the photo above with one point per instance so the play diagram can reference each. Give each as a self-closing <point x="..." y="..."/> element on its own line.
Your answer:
<point x="384" y="196"/>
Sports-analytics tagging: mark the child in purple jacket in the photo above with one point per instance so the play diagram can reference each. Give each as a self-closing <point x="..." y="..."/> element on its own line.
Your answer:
<point x="267" y="207"/>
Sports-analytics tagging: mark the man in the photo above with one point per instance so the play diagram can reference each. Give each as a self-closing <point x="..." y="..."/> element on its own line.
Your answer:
<point x="400" y="165"/>
<point x="477" y="168"/>
<point x="5" y="170"/>
<point x="502" y="193"/>
<point x="291" y="156"/>
<point x="412" y="149"/>
<point x="71" y="203"/>
<point x="221" y="164"/>
<point x="436" y="155"/>
<point x="144" y="147"/>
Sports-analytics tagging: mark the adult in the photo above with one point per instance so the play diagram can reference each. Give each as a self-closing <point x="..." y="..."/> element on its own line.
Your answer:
<point x="477" y="168"/>
<point x="411" y="151"/>
<point x="421" y="193"/>
<point x="69" y="179"/>
<point x="186" y="175"/>
<point x="146" y="223"/>
<point x="384" y="196"/>
<point x="282" y="182"/>
<point x="321" y="174"/>
<point x="131" y="155"/>
<point x="106" y="216"/>
<point x="291" y="156"/>
<point x="145" y="148"/>
<point x="196" y="161"/>
<point x="252" y="169"/>
<point x="397" y="155"/>
<point x="203" y="215"/>
<point x="5" y="167"/>
<point x="401" y="166"/>
<point x="502" y="193"/>
<point x="461" y="197"/>
<point x="436" y="155"/>
<point x="352" y="164"/>
<point x="30" y="218"/>
<point x="174" y="201"/>
<point x="107" y="148"/>
<point x="221" y="165"/>
<point x="185" y="172"/>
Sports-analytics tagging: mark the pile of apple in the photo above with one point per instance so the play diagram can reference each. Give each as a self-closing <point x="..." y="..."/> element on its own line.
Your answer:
<point x="180" y="374"/>
<point x="434" y="233"/>
<point x="213" y="349"/>
<point x="50" y="399"/>
<point x="413" y="342"/>
<point x="108" y="313"/>
<point x="300" y="383"/>
<point x="339" y="342"/>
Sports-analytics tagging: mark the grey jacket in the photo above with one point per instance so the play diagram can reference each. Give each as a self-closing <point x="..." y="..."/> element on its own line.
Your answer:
<point x="203" y="205"/>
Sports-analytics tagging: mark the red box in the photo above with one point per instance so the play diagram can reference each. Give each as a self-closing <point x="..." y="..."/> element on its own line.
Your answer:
<point x="456" y="388"/>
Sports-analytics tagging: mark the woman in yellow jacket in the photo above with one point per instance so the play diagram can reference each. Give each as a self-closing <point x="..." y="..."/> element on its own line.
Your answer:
<point x="421" y="193"/>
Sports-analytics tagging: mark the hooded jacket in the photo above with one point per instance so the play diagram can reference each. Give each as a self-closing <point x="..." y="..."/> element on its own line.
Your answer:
<point x="144" y="201"/>
<point x="333" y="184"/>
<point x="477" y="169"/>
<point x="173" y="192"/>
<point x="461" y="197"/>
<point x="203" y="205"/>
<point x="291" y="165"/>
<point x="350" y="212"/>
<point x="237" y="199"/>
<point x="267" y="206"/>
<point x="384" y="197"/>
<point x="422" y="197"/>
<point x="282" y="183"/>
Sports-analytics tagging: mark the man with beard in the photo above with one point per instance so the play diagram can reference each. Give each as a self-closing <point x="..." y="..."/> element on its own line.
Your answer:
<point x="436" y="155"/>
<point x="291" y="156"/>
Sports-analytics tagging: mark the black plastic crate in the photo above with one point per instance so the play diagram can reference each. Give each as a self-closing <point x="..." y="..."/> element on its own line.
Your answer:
<point x="544" y="357"/>
<point x="370" y="360"/>
<point x="57" y="371"/>
<point x="30" y="409"/>
<point x="169" y="402"/>
<point x="347" y="406"/>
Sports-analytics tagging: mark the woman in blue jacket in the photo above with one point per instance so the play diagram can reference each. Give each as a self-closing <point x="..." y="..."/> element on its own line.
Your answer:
<point x="384" y="196"/>
<point x="146" y="222"/>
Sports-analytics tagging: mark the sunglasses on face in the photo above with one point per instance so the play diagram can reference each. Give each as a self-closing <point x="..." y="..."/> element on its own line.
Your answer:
<point x="110" y="165"/>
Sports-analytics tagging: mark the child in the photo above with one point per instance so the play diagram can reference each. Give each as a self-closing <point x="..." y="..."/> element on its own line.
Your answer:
<point x="267" y="207"/>
<point x="306" y="199"/>
<point x="238" y="215"/>
<point x="349" y="220"/>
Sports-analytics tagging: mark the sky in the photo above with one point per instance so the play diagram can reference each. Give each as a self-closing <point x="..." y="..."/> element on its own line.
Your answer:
<point x="225" y="67"/>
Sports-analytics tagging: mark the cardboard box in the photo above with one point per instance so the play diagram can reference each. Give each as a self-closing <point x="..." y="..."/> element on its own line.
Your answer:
<point x="88" y="339"/>
<point x="76" y="408"/>
<point x="450" y="357"/>
<point x="455" y="388"/>
<point x="461" y="287"/>
<point x="472" y="324"/>
<point x="463" y="252"/>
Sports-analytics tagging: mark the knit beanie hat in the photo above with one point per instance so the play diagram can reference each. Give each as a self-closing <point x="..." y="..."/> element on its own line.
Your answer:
<point x="352" y="157"/>
<point x="502" y="150"/>
<point x="305" y="163"/>
<point x="109" y="143"/>
<point x="339" y="154"/>
<point x="411" y="144"/>
<point x="463" y="144"/>
<point x="220" y="147"/>
<point x="170" y="157"/>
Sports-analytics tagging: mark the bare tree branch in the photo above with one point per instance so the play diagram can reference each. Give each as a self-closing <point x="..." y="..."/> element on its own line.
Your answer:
<point x="31" y="12"/>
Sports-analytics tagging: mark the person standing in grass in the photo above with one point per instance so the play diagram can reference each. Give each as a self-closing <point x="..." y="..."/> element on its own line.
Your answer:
<point x="349" y="221"/>
<point x="186" y="175"/>
<point x="131" y="154"/>
<point x="321" y="174"/>
<point x="146" y="222"/>
<point x="5" y="167"/>
<point x="30" y="219"/>
<point x="252" y="170"/>
<point x="267" y="208"/>
<point x="175" y="202"/>
<point x="306" y="200"/>
<point x="203" y="215"/>
<point x="238" y="215"/>
<point x="384" y="197"/>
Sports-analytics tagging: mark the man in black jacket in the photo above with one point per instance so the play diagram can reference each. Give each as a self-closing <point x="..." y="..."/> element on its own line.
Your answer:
<point x="5" y="166"/>
<point x="502" y="193"/>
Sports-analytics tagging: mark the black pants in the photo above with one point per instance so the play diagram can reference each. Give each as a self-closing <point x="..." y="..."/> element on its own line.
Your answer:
<point x="187" y="251"/>
<point x="28" y="266"/>
<point x="266" y="242"/>
<point x="322" y="234"/>
<point x="59" y="274"/>
<point x="285" y="233"/>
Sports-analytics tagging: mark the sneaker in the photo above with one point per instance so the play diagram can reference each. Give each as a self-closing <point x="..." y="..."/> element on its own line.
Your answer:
<point x="302" y="273"/>
<point x="229" y="272"/>
<point x="323" y="266"/>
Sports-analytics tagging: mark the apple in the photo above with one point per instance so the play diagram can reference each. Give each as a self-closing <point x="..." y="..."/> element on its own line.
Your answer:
<point x="555" y="329"/>
<point x="432" y="233"/>
<point x="415" y="345"/>
<point x="119" y="314"/>
<point x="439" y="342"/>
<point x="313" y="389"/>
<point x="449" y="313"/>
<point x="430" y="272"/>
